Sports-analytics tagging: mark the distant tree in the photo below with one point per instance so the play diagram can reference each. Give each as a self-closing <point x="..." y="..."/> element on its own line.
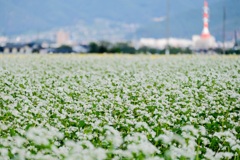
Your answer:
<point x="1" y="49"/>
<point x="232" y="51"/>
<point x="93" y="47"/>
<point x="178" y="50"/>
<point x="115" y="49"/>
<point x="35" y="50"/>
<point x="107" y="47"/>
<point x="188" y="50"/>
<point x="106" y="44"/>
<point x="64" y="49"/>
<point x="125" y="48"/>
<point x="104" y="47"/>
<point x="146" y="49"/>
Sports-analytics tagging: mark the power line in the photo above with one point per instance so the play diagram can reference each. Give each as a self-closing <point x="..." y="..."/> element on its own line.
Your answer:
<point x="168" y="26"/>
<point x="224" y="29"/>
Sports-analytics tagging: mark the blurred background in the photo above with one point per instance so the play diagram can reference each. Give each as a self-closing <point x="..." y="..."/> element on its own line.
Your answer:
<point x="82" y="24"/>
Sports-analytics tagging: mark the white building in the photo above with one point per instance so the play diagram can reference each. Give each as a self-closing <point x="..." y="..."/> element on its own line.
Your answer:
<point x="62" y="38"/>
<point x="200" y="43"/>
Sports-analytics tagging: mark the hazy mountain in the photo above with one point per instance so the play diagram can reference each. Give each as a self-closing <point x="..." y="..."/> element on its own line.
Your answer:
<point x="29" y="16"/>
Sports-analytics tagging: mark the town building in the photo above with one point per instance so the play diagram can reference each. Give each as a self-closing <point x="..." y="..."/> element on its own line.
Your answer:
<point x="62" y="38"/>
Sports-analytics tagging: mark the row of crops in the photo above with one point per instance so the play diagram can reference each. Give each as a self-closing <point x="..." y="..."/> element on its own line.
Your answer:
<point x="119" y="107"/>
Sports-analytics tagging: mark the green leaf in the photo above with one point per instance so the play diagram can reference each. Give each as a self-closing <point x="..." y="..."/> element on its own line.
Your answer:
<point x="81" y="124"/>
<point x="22" y="86"/>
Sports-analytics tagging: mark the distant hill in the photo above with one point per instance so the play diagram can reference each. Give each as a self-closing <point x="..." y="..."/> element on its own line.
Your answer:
<point x="30" y="16"/>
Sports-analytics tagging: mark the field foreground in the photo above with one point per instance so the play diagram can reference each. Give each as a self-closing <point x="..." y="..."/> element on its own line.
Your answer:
<point x="119" y="107"/>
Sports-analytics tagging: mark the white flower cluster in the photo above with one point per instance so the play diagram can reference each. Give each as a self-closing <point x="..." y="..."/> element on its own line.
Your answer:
<point x="119" y="107"/>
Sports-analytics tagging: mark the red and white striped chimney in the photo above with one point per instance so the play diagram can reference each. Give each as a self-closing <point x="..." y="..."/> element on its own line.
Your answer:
<point x="205" y="32"/>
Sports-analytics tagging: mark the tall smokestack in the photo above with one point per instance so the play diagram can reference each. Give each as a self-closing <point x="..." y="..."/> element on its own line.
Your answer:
<point x="205" y="32"/>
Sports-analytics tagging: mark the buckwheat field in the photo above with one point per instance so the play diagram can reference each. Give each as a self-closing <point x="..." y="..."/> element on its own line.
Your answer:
<point x="91" y="107"/>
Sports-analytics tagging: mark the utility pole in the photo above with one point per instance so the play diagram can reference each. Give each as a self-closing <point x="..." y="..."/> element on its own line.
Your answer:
<point x="235" y="38"/>
<point x="168" y="27"/>
<point x="224" y="29"/>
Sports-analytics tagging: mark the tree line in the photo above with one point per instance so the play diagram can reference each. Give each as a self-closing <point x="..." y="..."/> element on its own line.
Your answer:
<point x="125" y="47"/>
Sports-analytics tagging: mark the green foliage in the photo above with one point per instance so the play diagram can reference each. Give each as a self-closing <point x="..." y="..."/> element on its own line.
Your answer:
<point x="125" y="47"/>
<point x="106" y="47"/>
<point x="64" y="49"/>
